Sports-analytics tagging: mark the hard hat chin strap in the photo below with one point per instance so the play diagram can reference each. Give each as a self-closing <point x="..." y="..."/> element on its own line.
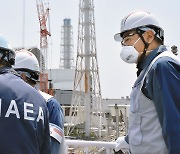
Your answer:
<point x="141" y="58"/>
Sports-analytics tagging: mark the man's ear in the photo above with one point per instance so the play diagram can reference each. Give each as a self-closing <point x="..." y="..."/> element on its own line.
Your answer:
<point x="150" y="36"/>
<point x="23" y="76"/>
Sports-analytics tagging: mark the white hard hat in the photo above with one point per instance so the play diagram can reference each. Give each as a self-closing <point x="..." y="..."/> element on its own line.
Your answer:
<point x="6" y="51"/>
<point x="26" y="60"/>
<point x="138" y="20"/>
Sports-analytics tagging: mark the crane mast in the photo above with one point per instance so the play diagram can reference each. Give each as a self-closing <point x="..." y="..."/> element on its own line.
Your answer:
<point x="43" y="15"/>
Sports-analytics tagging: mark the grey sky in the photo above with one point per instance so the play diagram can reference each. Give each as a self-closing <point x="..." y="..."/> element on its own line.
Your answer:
<point x="116" y="77"/>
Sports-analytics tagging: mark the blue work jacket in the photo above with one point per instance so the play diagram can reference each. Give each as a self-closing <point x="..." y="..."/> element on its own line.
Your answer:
<point x="24" y="124"/>
<point x="162" y="86"/>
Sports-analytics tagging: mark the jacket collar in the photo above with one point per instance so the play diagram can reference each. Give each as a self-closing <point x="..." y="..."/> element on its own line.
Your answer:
<point x="151" y="56"/>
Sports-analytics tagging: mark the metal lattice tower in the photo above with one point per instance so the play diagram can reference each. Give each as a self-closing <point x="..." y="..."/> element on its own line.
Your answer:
<point x="67" y="55"/>
<point x="86" y="97"/>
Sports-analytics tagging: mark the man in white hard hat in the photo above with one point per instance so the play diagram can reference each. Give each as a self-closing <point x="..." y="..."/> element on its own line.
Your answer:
<point x="26" y="64"/>
<point x="154" y="118"/>
<point x="24" y="123"/>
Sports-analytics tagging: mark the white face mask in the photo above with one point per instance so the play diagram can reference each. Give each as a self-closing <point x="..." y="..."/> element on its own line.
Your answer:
<point x="129" y="54"/>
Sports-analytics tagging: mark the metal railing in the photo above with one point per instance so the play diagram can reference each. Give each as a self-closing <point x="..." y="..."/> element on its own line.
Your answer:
<point x="87" y="146"/>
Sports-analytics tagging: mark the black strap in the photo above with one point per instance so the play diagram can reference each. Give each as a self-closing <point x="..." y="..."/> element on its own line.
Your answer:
<point x="144" y="52"/>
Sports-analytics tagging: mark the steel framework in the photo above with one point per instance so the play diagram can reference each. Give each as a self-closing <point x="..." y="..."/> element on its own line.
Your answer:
<point x="87" y="90"/>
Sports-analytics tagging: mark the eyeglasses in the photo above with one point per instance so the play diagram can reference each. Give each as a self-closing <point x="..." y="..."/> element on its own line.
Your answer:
<point x="127" y="39"/>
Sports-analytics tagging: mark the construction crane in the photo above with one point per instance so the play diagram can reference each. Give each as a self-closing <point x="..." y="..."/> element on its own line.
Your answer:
<point x="43" y="15"/>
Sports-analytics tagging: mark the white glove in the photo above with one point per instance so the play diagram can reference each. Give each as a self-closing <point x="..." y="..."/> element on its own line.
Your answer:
<point x="121" y="144"/>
